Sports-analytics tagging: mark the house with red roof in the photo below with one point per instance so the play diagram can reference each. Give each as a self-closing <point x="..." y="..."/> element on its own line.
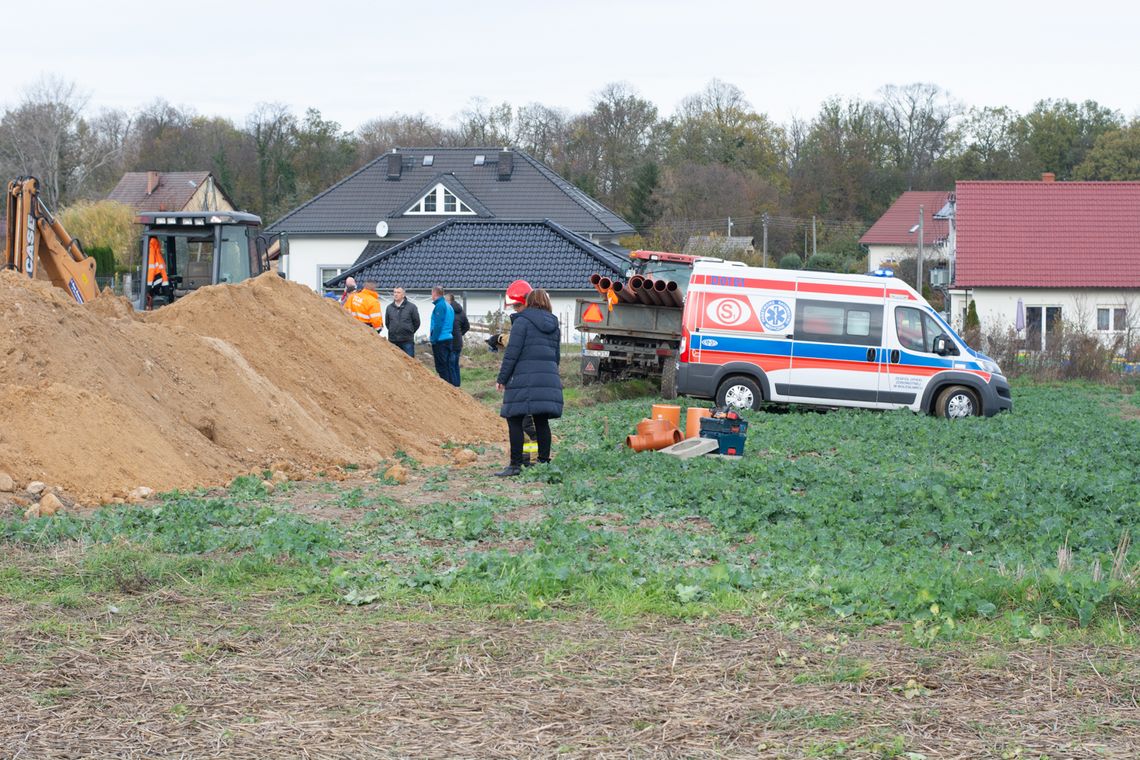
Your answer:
<point x="1036" y="255"/>
<point x="172" y="191"/>
<point x="894" y="236"/>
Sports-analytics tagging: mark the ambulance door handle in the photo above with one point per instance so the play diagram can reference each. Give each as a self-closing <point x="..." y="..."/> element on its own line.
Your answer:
<point x="871" y="354"/>
<point x="895" y="356"/>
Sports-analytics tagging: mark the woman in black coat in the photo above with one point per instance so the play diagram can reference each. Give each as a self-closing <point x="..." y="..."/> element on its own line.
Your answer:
<point x="528" y="378"/>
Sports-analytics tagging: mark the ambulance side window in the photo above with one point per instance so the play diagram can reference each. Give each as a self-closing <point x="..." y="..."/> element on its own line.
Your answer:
<point x="839" y="322"/>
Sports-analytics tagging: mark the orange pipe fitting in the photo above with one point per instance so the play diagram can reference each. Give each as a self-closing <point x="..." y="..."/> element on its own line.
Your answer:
<point x="654" y="441"/>
<point x="652" y="425"/>
<point x="671" y="412"/>
<point x="693" y="417"/>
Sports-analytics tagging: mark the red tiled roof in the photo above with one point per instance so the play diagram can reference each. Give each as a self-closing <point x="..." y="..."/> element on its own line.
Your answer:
<point x="174" y="191"/>
<point x="893" y="227"/>
<point x="1048" y="234"/>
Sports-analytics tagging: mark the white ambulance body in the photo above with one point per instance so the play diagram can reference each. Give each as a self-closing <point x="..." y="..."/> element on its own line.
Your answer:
<point x="751" y="335"/>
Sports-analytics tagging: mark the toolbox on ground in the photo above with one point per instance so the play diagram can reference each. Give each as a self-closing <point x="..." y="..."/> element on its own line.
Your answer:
<point x="728" y="430"/>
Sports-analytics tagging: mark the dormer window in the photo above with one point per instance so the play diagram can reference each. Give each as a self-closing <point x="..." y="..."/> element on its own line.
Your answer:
<point x="439" y="200"/>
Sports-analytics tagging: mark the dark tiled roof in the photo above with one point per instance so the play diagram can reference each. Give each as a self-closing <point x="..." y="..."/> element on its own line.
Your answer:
<point x="1048" y="234"/>
<point x="471" y="254"/>
<point x="174" y="190"/>
<point x="354" y="205"/>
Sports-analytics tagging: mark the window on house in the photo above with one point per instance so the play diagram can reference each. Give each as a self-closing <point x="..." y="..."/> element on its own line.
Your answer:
<point x="1042" y="327"/>
<point x="324" y="274"/>
<point x="440" y="200"/>
<point x="1111" y="318"/>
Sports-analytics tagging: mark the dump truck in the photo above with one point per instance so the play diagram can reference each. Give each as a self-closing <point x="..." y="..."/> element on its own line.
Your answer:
<point x="633" y="328"/>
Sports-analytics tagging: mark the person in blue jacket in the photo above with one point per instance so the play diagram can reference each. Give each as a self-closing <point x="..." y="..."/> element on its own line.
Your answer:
<point x="528" y="377"/>
<point x="442" y="322"/>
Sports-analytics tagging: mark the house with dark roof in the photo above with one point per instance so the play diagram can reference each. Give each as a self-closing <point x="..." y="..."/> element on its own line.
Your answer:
<point x="476" y="259"/>
<point x="412" y="190"/>
<point x="894" y="236"/>
<point x="1035" y="255"/>
<point x="172" y="191"/>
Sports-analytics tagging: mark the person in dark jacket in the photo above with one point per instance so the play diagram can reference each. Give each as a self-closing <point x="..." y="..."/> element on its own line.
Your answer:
<point x="442" y="322"/>
<point x="403" y="320"/>
<point x="458" y="330"/>
<point x="528" y="378"/>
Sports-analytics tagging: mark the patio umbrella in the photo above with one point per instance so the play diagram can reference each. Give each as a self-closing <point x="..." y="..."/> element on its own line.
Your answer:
<point x="1019" y="317"/>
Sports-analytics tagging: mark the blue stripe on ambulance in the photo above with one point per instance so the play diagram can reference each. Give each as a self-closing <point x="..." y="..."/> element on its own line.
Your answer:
<point x="808" y="350"/>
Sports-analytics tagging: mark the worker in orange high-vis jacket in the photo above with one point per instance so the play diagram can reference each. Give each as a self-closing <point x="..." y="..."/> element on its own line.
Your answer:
<point x="364" y="304"/>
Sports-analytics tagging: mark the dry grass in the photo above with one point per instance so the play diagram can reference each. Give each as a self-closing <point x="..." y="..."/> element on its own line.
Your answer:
<point x="193" y="677"/>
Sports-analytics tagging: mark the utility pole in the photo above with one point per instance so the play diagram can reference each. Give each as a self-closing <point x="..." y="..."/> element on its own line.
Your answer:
<point x="919" y="278"/>
<point x="765" y="220"/>
<point x="730" y="226"/>
<point x="813" y="234"/>
<point x="805" y="244"/>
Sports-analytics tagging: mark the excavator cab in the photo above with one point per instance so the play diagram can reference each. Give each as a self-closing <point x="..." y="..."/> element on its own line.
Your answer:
<point x="184" y="251"/>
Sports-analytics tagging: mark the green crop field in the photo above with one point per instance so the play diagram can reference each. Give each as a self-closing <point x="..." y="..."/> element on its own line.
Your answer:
<point x="1002" y="535"/>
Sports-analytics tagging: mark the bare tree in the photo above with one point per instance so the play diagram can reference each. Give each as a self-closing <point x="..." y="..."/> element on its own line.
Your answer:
<point x="41" y="136"/>
<point x="381" y="134"/>
<point x="541" y="131"/>
<point x="918" y="118"/>
<point x="487" y="125"/>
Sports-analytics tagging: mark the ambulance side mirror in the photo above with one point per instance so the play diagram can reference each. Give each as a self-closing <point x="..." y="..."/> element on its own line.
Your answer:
<point x="943" y="346"/>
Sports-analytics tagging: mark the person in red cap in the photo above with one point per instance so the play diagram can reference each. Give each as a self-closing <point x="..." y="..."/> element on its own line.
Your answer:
<point x="528" y="377"/>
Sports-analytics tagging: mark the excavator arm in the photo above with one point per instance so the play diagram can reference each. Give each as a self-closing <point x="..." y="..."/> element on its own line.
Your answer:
<point x="35" y="237"/>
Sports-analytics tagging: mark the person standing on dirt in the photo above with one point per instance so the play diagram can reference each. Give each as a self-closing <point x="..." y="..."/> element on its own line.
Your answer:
<point x="364" y="305"/>
<point x="403" y="319"/>
<point x="442" y="324"/>
<point x="458" y="329"/>
<point x="528" y="378"/>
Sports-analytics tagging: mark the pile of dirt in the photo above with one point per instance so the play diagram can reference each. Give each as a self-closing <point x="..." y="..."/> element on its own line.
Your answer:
<point x="99" y="399"/>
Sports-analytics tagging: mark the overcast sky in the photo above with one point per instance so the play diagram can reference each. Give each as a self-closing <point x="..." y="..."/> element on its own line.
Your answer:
<point x="357" y="60"/>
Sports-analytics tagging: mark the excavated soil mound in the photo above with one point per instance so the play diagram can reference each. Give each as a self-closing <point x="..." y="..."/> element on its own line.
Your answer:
<point x="99" y="399"/>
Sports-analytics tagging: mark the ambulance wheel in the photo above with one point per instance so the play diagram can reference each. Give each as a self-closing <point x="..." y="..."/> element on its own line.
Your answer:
<point x="739" y="392"/>
<point x="957" y="402"/>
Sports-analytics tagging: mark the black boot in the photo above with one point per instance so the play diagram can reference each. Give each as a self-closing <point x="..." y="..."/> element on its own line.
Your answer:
<point x="510" y="471"/>
<point x="526" y="460"/>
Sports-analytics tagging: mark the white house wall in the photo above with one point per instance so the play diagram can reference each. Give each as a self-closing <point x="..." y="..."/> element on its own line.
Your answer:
<point x="307" y="256"/>
<point x="997" y="307"/>
<point x="877" y="254"/>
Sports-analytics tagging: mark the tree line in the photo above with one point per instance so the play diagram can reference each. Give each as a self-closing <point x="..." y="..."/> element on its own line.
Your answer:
<point x="715" y="158"/>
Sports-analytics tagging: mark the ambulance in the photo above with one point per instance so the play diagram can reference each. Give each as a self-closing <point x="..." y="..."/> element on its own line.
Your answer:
<point x="751" y="336"/>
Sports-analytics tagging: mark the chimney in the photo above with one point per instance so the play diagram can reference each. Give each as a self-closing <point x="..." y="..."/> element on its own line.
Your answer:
<point x="395" y="164"/>
<point x="506" y="164"/>
<point x="151" y="182"/>
<point x="1048" y="177"/>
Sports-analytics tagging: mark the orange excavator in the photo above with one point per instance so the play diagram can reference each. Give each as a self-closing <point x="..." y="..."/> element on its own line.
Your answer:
<point x="36" y="238"/>
<point x="181" y="251"/>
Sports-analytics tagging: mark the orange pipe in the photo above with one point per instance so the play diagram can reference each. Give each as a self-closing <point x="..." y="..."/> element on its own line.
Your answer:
<point x="654" y="441"/>
<point x="671" y="412"/>
<point x="652" y="425"/>
<point x="624" y="294"/>
<point x="693" y="417"/>
<point x="673" y="293"/>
